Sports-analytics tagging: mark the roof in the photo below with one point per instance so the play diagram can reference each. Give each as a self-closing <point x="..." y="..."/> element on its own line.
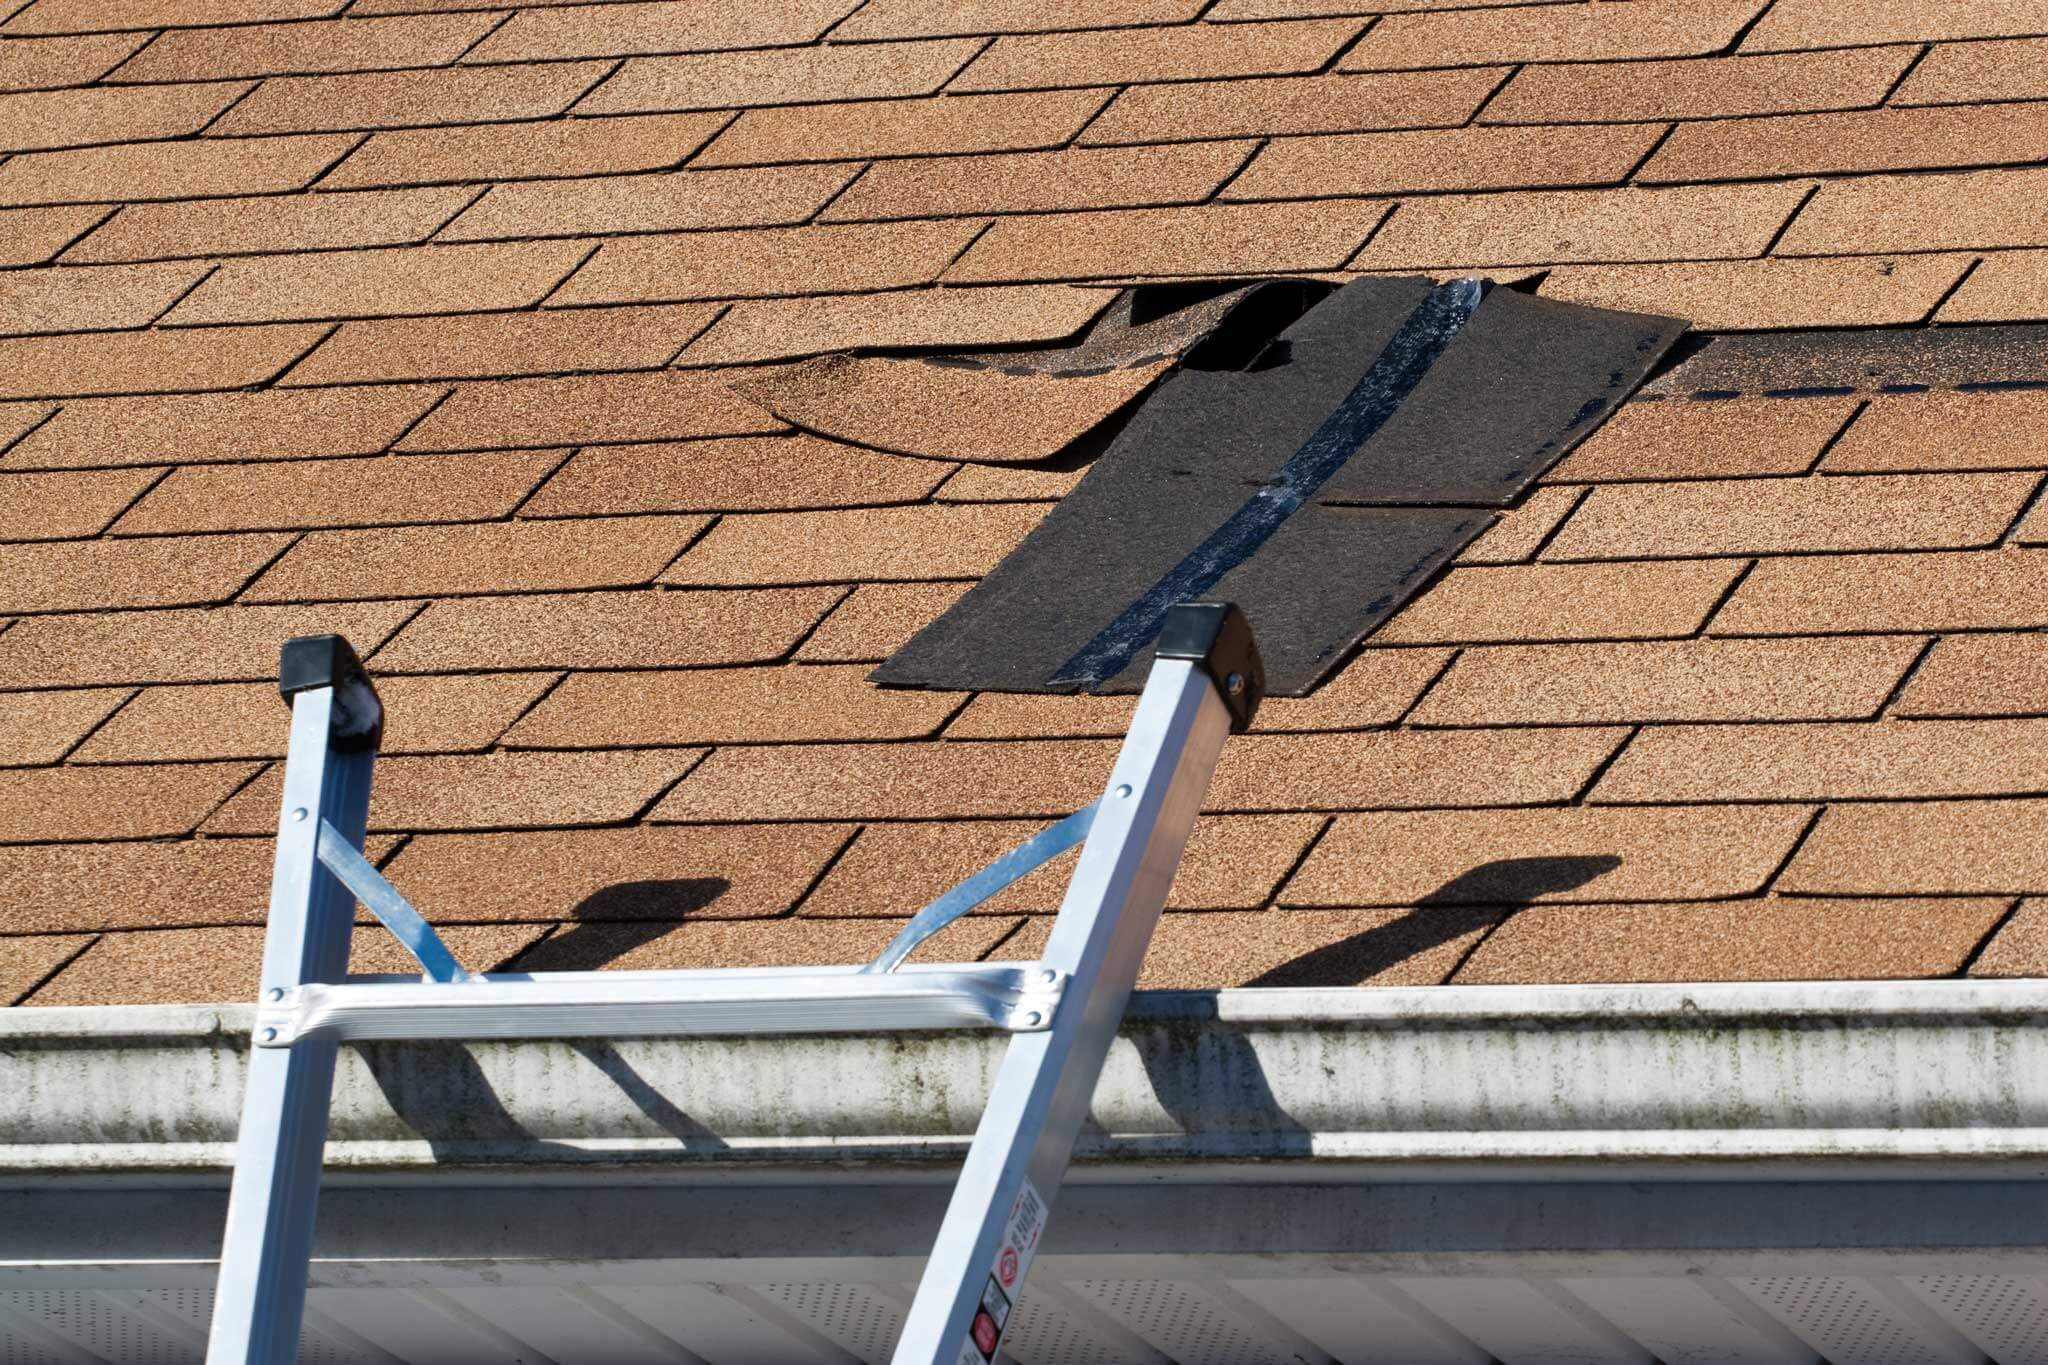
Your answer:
<point x="419" y="323"/>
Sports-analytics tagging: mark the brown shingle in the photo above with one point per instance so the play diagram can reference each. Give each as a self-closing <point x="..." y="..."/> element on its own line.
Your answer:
<point x="288" y="49"/>
<point x="1283" y="105"/>
<point x="877" y="620"/>
<point x="1545" y="227"/>
<point x="79" y="574"/>
<point x="1830" y="761"/>
<point x="154" y="361"/>
<point x="1037" y="182"/>
<point x="1217" y="239"/>
<point x="1023" y="715"/>
<point x="524" y="151"/>
<point x="61" y="300"/>
<point x="487" y="345"/>
<point x="957" y="779"/>
<point x="172" y="966"/>
<point x="218" y="643"/>
<point x="1724" y="438"/>
<point x="1701" y="87"/>
<point x="1568" y="854"/>
<point x="1847" y="291"/>
<point x="2020" y="947"/>
<point x="53" y="887"/>
<point x="1374" y="689"/>
<point x="871" y="543"/>
<point x="1957" y="847"/>
<point x="1985" y="590"/>
<point x="1963" y="73"/>
<point x="410" y="99"/>
<point x="1008" y="483"/>
<point x="602" y="630"/>
<point x="1184" y="52"/>
<point x="1869" y="140"/>
<point x="203" y="428"/>
<point x="937" y="780"/>
<point x="1408" y="769"/>
<point x="33" y="236"/>
<point x="1549" y="33"/>
<point x="88" y="16"/>
<point x="41" y="727"/>
<point x="170" y="170"/>
<point x="667" y="201"/>
<point x="1749" y="516"/>
<point x="646" y="872"/>
<point x="879" y="19"/>
<point x="55" y="506"/>
<point x="813" y="75"/>
<point x="692" y="26"/>
<point x="1681" y="680"/>
<point x="728" y="706"/>
<point x="46" y="63"/>
<point x="1755" y="940"/>
<point x="26" y="961"/>
<point x="1981" y="675"/>
<point x="740" y="474"/>
<point x="46" y="120"/>
<point x="942" y="412"/>
<point x="805" y="260"/>
<point x="1486" y="158"/>
<point x="2010" y="286"/>
<point x="1921" y="212"/>
<point x="380" y="283"/>
<point x="1232" y="862"/>
<point x="298" y="222"/>
<point x="245" y="720"/>
<point x="526" y="556"/>
<point x="18" y="419"/>
<point x="1940" y="431"/>
<point x="1521" y="532"/>
<point x="774" y="329"/>
<point x="41" y="804"/>
<point x="485" y="791"/>
<point x="600" y="407"/>
<point x="917" y="127"/>
<point x="1296" y="947"/>
<point x="750" y="943"/>
<point x="379" y="490"/>
<point x="1824" y="23"/>
<point x="1564" y="602"/>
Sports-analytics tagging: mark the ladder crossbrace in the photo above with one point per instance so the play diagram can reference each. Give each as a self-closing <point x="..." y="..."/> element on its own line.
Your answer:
<point x="1061" y="1012"/>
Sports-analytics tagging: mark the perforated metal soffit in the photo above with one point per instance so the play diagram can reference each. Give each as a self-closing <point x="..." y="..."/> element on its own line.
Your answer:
<point x="1355" y="1319"/>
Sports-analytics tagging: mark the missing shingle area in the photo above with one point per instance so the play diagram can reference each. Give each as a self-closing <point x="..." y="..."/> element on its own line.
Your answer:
<point x="1875" y="360"/>
<point x="1511" y="387"/>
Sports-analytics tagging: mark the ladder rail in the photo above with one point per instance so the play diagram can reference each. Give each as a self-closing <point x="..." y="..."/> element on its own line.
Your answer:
<point x="1062" y="1012"/>
<point x="261" y="1294"/>
<point x="1012" y="1174"/>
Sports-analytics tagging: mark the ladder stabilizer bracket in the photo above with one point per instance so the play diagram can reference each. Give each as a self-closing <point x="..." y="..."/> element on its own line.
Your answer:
<point x="1217" y="636"/>
<point x="309" y="662"/>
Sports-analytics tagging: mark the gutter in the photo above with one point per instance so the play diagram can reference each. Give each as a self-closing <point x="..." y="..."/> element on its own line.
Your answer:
<point x="1851" y="1079"/>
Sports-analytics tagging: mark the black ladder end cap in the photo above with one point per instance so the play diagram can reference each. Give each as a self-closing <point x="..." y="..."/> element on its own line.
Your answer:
<point x="1219" y="637"/>
<point x="310" y="662"/>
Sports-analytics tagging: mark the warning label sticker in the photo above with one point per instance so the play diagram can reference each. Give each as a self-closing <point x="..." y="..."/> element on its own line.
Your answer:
<point x="1013" y="1260"/>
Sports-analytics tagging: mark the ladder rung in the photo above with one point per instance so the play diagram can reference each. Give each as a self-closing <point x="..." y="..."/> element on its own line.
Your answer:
<point x="1015" y="997"/>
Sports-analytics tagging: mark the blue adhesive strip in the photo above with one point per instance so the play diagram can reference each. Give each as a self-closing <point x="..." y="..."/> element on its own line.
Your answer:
<point x="1027" y="857"/>
<point x="381" y="899"/>
<point x="1420" y="342"/>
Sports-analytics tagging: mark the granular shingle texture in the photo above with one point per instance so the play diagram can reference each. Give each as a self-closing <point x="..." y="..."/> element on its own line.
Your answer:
<point x="456" y="329"/>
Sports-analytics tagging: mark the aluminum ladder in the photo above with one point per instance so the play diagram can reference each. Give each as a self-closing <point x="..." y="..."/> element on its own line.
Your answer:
<point x="1061" y="1012"/>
